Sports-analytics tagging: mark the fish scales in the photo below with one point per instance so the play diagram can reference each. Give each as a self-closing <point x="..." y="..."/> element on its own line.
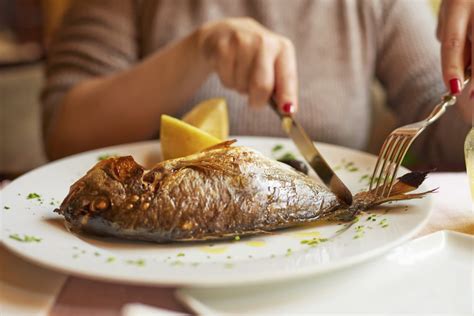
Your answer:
<point x="222" y="192"/>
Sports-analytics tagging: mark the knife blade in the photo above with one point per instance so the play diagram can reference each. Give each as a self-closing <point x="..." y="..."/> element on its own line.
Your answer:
<point x="312" y="156"/>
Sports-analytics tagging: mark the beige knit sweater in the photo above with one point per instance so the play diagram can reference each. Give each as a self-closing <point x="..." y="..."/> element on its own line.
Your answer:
<point x="342" y="46"/>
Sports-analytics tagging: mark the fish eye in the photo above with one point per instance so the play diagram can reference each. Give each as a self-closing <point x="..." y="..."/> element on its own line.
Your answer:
<point x="100" y="204"/>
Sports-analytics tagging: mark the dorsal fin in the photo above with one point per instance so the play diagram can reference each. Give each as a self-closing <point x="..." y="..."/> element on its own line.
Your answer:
<point x="224" y="144"/>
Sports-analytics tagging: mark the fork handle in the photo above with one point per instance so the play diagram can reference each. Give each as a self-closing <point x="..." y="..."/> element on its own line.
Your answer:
<point x="447" y="101"/>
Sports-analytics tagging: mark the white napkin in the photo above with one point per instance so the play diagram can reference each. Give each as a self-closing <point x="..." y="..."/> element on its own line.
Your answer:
<point x="452" y="203"/>
<point x="26" y="289"/>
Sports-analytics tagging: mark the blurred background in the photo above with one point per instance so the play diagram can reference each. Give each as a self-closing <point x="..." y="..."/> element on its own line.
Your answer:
<point x="26" y="28"/>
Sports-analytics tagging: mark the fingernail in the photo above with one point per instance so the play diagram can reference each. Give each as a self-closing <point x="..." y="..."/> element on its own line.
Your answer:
<point x="288" y="108"/>
<point x="455" y="86"/>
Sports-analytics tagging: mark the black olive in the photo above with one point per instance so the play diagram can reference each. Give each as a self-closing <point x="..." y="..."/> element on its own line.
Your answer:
<point x="298" y="165"/>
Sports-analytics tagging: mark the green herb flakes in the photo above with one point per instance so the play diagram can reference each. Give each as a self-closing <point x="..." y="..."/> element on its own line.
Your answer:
<point x="237" y="238"/>
<point x="25" y="238"/>
<point x="6" y="207"/>
<point x="287" y="156"/>
<point x="363" y="178"/>
<point x="314" y="241"/>
<point x="106" y="156"/>
<point x="371" y="218"/>
<point x="32" y="196"/>
<point x="277" y="148"/>
<point x="180" y="254"/>
<point x="110" y="259"/>
<point x="96" y="254"/>
<point x="228" y="265"/>
<point x="138" y="263"/>
<point x="383" y="222"/>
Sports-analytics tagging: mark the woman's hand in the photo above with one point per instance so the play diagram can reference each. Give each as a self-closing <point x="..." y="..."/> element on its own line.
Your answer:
<point x="456" y="33"/>
<point x="252" y="60"/>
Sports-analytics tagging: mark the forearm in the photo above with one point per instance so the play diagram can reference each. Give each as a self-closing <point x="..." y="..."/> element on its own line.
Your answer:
<point x="126" y="106"/>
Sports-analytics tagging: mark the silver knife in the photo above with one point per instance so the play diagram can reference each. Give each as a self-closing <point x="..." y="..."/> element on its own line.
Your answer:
<point x="314" y="158"/>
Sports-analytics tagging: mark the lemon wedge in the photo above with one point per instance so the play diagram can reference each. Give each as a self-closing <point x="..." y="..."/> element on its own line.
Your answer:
<point x="210" y="116"/>
<point x="179" y="139"/>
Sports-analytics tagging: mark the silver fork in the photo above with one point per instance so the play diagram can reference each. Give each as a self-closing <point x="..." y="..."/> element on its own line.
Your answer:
<point x="397" y="143"/>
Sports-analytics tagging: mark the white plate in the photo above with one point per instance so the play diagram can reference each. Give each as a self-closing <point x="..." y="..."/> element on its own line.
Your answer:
<point x="262" y="258"/>
<point x="430" y="275"/>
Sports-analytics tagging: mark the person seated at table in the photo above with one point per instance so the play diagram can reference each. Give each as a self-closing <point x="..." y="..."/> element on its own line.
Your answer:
<point x="116" y="66"/>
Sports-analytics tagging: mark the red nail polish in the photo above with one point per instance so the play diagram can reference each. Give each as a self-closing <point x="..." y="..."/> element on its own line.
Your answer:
<point x="288" y="108"/>
<point x="455" y="86"/>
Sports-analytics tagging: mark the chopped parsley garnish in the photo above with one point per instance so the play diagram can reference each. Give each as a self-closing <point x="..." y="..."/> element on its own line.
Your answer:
<point x="32" y="196"/>
<point x="372" y="218"/>
<point x="96" y="254"/>
<point x="228" y="265"/>
<point x="106" y="156"/>
<point x="110" y="259"/>
<point x="139" y="262"/>
<point x="364" y="177"/>
<point x="229" y="257"/>
<point x="237" y="238"/>
<point x="6" y="207"/>
<point x="25" y="238"/>
<point x="287" y="156"/>
<point x="277" y="148"/>
<point x="360" y="231"/>
<point x="314" y="241"/>
<point x="180" y="254"/>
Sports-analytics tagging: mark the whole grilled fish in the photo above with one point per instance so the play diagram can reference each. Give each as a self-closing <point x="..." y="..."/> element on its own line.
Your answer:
<point x="219" y="193"/>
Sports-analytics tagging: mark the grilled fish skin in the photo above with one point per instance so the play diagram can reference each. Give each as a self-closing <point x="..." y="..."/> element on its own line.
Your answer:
<point x="222" y="192"/>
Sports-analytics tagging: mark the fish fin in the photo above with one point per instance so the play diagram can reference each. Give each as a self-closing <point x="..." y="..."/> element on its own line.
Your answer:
<point x="205" y="165"/>
<point x="224" y="144"/>
<point x="403" y="196"/>
<point x="407" y="183"/>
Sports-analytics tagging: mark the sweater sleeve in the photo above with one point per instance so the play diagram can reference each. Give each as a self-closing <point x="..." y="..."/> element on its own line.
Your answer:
<point x="97" y="38"/>
<point x="408" y="65"/>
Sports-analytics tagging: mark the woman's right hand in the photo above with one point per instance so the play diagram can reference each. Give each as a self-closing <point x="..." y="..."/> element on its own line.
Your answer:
<point x="252" y="60"/>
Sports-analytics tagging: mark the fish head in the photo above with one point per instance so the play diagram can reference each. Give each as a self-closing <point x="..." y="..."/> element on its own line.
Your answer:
<point x="109" y="186"/>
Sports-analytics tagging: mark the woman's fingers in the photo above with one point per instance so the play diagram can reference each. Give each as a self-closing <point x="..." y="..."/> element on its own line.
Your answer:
<point x="245" y="47"/>
<point x="286" y="79"/>
<point x="225" y="62"/>
<point x="453" y="43"/>
<point x="262" y="79"/>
